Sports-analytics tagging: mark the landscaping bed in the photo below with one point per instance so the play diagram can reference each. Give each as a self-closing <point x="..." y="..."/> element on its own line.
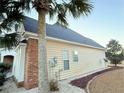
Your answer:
<point x="82" y="82"/>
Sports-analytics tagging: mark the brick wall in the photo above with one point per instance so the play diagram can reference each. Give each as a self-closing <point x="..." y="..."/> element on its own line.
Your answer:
<point x="31" y="65"/>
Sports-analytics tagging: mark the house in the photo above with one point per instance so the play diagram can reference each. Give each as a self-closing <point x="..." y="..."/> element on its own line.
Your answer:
<point x="69" y="54"/>
<point x="7" y="56"/>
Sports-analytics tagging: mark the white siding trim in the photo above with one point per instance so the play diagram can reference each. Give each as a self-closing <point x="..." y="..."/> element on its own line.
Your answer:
<point x="21" y="44"/>
<point x="30" y="33"/>
<point x="35" y="36"/>
<point x="6" y="52"/>
<point x="70" y="42"/>
<point x="19" y="63"/>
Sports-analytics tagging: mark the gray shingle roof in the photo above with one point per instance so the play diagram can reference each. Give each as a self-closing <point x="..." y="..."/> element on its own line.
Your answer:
<point x="59" y="32"/>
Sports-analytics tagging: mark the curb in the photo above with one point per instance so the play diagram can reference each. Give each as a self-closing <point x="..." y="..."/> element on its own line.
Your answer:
<point x="88" y="84"/>
<point x="87" y="87"/>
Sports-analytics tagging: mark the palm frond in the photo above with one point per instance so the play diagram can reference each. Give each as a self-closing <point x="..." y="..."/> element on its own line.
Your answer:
<point x="76" y="8"/>
<point x="9" y="40"/>
<point x="11" y="15"/>
<point x="11" y="11"/>
<point x="26" y="4"/>
<point x="62" y="20"/>
<point x="79" y="7"/>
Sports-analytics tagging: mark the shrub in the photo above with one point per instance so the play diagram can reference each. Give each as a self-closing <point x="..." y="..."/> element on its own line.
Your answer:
<point x="4" y="68"/>
<point x="53" y="85"/>
<point x="2" y="79"/>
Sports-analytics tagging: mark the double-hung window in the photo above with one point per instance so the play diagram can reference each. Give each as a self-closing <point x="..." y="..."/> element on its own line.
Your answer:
<point x="66" y="59"/>
<point x="75" y="56"/>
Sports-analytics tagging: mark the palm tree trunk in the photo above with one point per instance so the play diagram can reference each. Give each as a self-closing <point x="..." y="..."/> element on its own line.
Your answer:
<point x="43" y="85"/>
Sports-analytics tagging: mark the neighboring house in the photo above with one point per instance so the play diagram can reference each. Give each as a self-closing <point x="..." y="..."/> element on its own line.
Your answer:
<point x="69" y="54"/>
<point x="7" y="56"/>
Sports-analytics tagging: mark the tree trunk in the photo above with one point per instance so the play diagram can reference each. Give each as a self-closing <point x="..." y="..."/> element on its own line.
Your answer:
<point x="43" y="85"/>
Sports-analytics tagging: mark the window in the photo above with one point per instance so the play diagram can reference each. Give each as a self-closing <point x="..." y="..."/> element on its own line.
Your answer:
<point x="75" y="56"/>
<point x="66" y="59"/>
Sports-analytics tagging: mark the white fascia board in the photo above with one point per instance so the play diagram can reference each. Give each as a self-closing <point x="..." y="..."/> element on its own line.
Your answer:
<point x="35" y="36"/>
<point x="31" y="35"/>
<point x="75" y="43"/>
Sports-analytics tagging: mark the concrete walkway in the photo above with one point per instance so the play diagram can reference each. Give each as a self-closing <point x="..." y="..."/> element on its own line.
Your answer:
<point x="64" y="86"/>
<point x="10" y="87"/>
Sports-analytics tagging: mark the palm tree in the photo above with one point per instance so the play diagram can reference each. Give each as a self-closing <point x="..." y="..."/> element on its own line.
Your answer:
<point x="60" y="10"/>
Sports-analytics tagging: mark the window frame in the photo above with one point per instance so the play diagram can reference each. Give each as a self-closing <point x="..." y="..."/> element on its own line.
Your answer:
<point x="66" y="61"/>
<point x="75" y="56"/>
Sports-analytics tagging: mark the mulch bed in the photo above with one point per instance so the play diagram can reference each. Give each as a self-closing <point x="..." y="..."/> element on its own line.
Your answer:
<point x="82" y="82"/>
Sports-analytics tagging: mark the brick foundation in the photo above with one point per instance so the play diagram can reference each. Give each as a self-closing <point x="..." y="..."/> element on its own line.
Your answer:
<point x="31" y="65"/>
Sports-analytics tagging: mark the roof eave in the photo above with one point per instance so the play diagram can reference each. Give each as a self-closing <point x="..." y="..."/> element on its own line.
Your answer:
<point x="35" y="36"/>
<point x="74" y="43"/>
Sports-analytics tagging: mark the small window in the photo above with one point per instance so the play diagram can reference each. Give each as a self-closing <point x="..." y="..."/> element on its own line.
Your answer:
<point x="66" y="59"/>
<point x="75" y="56"/>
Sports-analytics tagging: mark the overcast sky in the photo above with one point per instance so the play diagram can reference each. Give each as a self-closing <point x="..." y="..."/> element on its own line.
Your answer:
<point x="104" y="23"/>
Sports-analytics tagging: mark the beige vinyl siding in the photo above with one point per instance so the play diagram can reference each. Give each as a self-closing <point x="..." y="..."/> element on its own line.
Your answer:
<point x="122" y="62"/>
<point x="89" y="59"/>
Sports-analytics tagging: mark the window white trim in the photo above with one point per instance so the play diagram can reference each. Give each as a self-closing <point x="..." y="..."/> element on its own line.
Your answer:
<point x="66" y="64"/>
<point x="75" y="56"/>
